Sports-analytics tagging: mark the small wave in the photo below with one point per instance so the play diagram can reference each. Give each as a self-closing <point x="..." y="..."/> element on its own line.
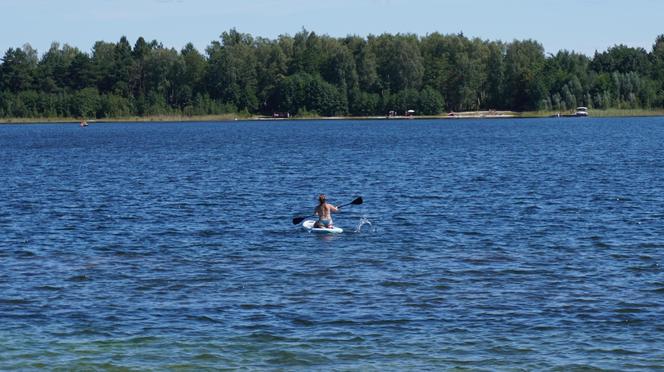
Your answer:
<point x="340" y="338"/>
<point x="283" y="357"/>
<point x="303" y="322"/>
<point x="14" y="301"/>
<point x="203" y="318"/>
<point x="79" y="278"/>
<point x="629" y="310"/>
<point x="531" y="209"/>
<point x="649" y="268"/>
<point x="618" y="351"/>
<point x="376" y="322"/>
<point x="260" y="306"/>
<point x="510" y="350"/>
<point x="208" y="356"/>
<point x="25" y="253"/>
<point x="207" y="233"/>
<point x="352" y="356"/>
<point x="266" y="337"/>
<point x="48" y="288"/>
<point x="391" y="283"/>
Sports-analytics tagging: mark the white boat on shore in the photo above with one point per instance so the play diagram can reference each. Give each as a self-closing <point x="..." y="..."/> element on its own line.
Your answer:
<point x="581" y="111"/>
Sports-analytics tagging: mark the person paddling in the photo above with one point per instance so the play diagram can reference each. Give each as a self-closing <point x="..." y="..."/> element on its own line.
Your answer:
<point x="324" y="212"/>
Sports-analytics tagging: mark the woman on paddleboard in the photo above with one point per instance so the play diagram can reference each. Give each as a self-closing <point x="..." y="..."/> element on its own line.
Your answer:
<point x="324" y="212"/>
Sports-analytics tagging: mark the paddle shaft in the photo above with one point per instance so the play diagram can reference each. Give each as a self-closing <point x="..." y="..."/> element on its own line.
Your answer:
<point x="344" y="205"/>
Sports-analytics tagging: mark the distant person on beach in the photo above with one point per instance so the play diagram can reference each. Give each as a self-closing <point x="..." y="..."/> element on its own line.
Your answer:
<point x="324" y="212"/>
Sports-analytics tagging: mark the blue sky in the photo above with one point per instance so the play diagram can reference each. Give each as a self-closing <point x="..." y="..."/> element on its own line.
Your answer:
<point x="580" y="25"/>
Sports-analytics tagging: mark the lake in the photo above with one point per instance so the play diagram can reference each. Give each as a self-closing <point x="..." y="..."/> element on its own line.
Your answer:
<point x="481" y="244"/>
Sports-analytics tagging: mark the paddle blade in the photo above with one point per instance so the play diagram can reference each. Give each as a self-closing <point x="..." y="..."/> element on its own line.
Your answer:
<point x="297" y="220"/>
<point x="357" y="201"/>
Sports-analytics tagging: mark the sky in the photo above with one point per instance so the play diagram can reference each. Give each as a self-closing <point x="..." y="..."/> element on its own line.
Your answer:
<point x="583" y="26"/>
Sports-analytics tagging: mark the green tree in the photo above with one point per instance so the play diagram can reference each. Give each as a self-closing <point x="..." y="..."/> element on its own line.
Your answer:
<point x="657" y="57"/>
<point x="399" y="61"/>
<point x="623" y="59"/>
<point x="85" y="103"/>
<point x="365" y="64"/>
<point x="122" y="67"/>
<point x="19" y="68"/>
<point x="194" y="68"/>
<point x="430" y="102"/>
<point x="307" y="53"/>
<point x="51" y="70"/>
<point x="140" y="53"/>
<point x="80" y="73"/>
<point x="307" y="93"/>
<point x="495" y="76"/>
<point x="103" y="64"/>
<point x="271" y="69"/>
<point x="524" y="63"/>
<point x="232" y="70"/>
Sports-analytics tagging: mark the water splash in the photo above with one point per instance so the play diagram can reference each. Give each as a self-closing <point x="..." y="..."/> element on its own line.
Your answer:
<point x="363" y="222"/>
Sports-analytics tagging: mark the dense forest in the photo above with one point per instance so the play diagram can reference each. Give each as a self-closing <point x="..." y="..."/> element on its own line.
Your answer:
<point x="310" y="74"/>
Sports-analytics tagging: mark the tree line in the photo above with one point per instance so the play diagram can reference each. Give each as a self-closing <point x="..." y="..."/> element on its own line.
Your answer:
<point x="311" y="74"/>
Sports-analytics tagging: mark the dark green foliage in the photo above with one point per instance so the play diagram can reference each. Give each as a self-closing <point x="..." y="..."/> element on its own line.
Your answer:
<point x="524" y="63"/>
<point x="232" y="66"/>
<point x="430" y="102"/>
<point x="317" y="74"/>
<point x="19" y="67"/>
<point x="399" y="62"/>
<point x="303" y="92"/>
<point x="622" y="59"/>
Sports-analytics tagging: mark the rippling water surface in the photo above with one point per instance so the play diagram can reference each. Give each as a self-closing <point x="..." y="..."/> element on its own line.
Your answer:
<point x="506" y="244"/>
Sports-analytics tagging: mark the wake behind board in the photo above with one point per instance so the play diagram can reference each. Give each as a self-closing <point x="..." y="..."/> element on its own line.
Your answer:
<point x="309" y="226"/>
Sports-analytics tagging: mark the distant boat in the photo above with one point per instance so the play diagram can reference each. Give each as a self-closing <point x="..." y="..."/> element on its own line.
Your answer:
<point x="581" y="111"/>
<point x="84" y="124"/>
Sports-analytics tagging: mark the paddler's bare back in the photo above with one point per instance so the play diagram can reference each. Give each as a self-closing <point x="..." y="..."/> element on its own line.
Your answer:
<point x="324" y="211"/>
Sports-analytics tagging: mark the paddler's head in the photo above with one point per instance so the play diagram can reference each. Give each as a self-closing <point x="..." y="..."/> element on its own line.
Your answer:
<point x="322" y="198"/>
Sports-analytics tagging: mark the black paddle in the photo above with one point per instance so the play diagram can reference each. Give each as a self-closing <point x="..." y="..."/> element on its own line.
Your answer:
<point x="357" y="201"/>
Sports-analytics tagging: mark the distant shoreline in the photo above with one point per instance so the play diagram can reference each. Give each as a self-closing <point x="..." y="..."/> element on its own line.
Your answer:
<point x="232" y="117"/>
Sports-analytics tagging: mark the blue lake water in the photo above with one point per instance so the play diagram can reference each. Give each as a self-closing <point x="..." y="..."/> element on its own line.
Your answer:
<point x="490" y="245"/>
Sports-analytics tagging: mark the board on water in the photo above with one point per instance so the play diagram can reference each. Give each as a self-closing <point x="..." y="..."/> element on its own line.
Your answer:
<point x="309" y="226"/>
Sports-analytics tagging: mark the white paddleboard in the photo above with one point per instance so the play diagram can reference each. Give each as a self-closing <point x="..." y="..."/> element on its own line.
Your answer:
<point x="309" y="226"/>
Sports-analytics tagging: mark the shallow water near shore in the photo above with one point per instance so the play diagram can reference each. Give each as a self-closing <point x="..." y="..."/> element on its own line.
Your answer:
<point x="481" y="244"/>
